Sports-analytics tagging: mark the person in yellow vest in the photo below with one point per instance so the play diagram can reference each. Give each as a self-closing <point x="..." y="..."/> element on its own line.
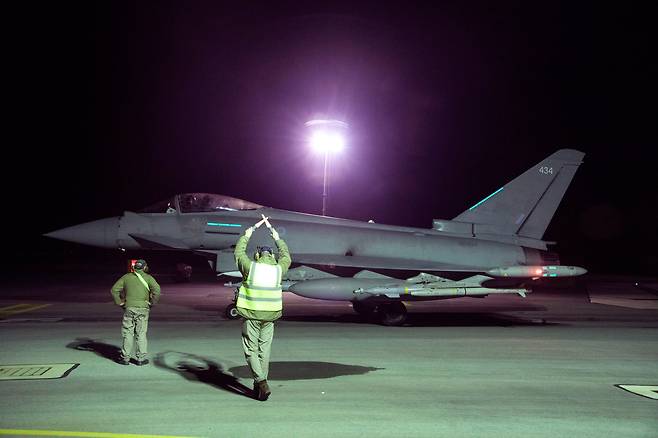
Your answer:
<point x="260" y="302"/>
<point x="135" y="292"/>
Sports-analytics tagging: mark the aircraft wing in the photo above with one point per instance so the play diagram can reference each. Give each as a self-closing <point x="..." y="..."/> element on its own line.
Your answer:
<point x="369" y="262"/>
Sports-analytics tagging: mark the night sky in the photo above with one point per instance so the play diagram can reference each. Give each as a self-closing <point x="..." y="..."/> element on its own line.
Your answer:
<point x="117" y="105"/>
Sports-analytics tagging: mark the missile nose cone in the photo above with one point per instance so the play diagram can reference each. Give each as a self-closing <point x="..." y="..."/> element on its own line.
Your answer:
<point x="325" y="289"/>
<point x="307" y="289"/>
<point x="103" y="233"/>
<point x="580" y="271"/>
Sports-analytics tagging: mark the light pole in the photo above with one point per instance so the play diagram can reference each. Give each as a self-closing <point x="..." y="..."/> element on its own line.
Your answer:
<point x="327" y="136"/>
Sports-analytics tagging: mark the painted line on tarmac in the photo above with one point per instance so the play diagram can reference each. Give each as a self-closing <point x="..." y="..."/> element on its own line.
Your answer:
<point x="648" y="391"/>
<point x="3" y="309"/>
<point x="34" y="432"/>
<point x="20" y="308"/>
<point x="632" y="300"/>
<point x="34" y="319"/>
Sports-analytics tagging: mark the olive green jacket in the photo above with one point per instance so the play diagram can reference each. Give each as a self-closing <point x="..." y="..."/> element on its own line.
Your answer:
<point x="243" y="261"/>
<point x="129" y="289"/>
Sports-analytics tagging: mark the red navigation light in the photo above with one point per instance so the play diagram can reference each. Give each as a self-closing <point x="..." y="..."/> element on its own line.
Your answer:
<point x="538" y="271"/>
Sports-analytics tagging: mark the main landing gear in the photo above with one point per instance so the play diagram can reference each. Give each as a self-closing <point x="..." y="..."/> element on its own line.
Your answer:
<point x="390" y="314"/>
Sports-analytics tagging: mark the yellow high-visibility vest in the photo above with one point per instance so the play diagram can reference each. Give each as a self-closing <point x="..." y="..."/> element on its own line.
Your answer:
<point x="262" y="289"/>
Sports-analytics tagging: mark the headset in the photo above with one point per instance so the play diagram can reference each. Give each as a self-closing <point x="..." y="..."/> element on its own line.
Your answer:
<point x="262" y="249"/>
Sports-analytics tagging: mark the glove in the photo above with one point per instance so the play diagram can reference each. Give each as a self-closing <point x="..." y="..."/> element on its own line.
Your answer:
<point x="248" y="232"/>
<point x="275" y="233"/>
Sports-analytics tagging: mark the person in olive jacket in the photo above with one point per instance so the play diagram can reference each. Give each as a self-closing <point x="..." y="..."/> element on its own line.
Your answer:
<point x="135" y="292"/>
<point x="260" y="302"/>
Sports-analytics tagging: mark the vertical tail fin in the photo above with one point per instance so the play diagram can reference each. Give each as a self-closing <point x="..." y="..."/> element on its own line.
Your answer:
<point x="526" y="205"/>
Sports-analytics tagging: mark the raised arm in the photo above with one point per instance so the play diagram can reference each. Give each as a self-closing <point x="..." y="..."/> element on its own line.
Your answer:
<point x="284" y="253"/>
<point x="242" y="260"/>
<point x="284" y="256"/>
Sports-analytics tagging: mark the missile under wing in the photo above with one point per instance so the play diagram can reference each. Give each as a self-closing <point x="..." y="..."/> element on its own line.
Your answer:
<point x="498" y="237"/>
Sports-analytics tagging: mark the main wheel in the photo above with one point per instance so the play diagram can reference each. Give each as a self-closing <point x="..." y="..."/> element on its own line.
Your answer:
<point x="231" y="311"/>
<point x="392" y="314"/>
<point x="362" y="309"/>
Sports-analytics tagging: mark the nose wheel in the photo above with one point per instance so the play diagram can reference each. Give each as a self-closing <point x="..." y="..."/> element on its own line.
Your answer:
<point x="231" y="311"/>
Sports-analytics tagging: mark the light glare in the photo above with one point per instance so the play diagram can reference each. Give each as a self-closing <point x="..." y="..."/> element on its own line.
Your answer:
<point x="323" y="141"/>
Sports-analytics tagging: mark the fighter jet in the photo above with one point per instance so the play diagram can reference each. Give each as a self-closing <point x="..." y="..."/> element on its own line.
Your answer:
<point x="498" y="238"/>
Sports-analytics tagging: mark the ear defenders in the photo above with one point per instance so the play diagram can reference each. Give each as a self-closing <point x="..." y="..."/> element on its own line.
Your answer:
<point x="262" y="249"/>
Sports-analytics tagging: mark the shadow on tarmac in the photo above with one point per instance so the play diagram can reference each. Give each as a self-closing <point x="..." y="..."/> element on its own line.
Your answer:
<point x="201" y="369"/>
<point x="444" y="319"/>
<point x="103" y="349"/>
<point x="305" y="370"/>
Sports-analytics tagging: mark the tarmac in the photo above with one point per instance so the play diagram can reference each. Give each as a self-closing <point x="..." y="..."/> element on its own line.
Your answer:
<point x="547" y="365"/>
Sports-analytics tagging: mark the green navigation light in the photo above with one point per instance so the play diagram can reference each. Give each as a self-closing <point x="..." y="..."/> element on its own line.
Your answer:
<point x="219" y="224"/>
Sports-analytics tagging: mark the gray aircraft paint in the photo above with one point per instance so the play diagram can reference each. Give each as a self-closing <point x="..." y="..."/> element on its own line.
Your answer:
<point x="320" y="240"/>
<point x="526" y="205"/>
<point x="501" y="232"/>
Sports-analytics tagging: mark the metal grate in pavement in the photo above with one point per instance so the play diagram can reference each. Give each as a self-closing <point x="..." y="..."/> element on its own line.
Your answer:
<point x="37" y="371"/>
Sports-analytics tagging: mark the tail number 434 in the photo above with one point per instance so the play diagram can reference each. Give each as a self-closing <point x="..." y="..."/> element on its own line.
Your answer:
<point x="546" y="170"/>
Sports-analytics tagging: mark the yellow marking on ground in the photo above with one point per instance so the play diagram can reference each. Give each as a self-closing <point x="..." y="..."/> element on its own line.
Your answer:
<point x="20" y="308"/>
<point x="30" y="432"/>
<point x="8" y="308"/>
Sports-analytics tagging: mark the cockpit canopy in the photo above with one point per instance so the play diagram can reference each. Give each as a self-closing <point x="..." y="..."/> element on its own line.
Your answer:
<point x="200" y="203"/>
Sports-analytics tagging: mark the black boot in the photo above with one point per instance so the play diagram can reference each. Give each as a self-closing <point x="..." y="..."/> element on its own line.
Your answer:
<point x="261" y="390"/>
<point x="256" y="390"/>
<point x="266" y="389"/>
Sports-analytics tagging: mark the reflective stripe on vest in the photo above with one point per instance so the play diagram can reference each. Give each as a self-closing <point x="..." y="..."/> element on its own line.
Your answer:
<point x="262" y="289"/>
<point x="143" y="281"/>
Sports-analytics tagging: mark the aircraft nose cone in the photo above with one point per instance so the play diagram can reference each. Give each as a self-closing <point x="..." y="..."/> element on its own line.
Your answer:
<point x="103" y="233"/>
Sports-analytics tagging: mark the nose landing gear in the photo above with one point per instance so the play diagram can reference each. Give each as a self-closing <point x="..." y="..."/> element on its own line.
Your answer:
<point x="231" y="312"/>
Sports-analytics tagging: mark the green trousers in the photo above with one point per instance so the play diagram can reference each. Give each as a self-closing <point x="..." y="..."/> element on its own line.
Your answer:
<point x="133" y="329"/>
<point x="257" y="344"/>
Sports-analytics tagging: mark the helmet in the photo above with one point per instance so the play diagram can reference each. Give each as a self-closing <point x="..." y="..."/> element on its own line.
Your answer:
<point x="140" y="264"/>
<point x="265" y="248"/>
<point x="260" y="250"/>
